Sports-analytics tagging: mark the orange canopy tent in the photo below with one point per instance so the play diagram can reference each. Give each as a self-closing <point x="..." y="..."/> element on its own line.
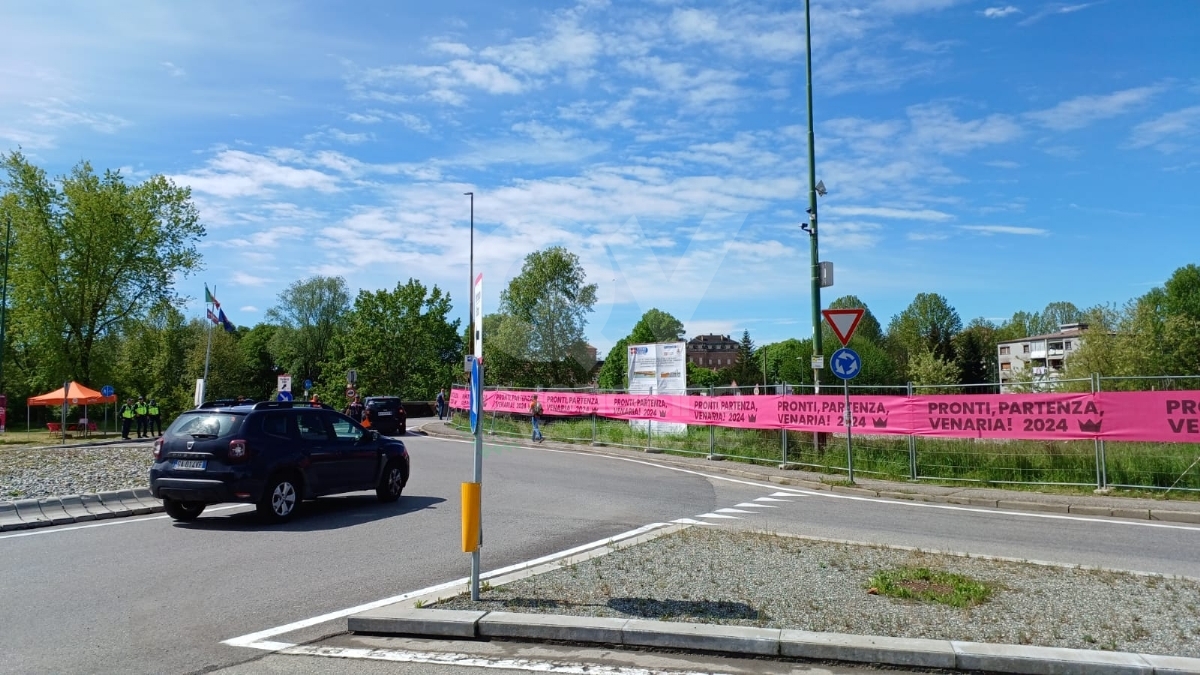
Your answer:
<point x="76" y="394"/>
<point x="72" y="394"/>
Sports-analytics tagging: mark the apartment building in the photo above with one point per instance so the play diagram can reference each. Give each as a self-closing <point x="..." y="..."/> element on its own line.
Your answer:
<point x="1038" y="358"/>
<point x="712" y="351"/>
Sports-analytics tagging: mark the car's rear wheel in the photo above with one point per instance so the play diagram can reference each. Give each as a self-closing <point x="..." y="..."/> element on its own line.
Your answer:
<point x="279" y="501"/>
<point x="182" y="511"/>
<point x="391" y="483"/>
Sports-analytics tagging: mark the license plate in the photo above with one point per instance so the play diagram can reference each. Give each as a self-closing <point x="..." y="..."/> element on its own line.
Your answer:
<point x="190" y="464"/>
<point x="384" y="414"/>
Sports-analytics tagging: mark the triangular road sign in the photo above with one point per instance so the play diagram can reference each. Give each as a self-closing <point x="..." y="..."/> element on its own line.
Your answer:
<point x="843" y="322"/>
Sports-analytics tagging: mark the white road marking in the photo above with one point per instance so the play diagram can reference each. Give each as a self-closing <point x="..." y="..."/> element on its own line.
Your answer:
<point x="733" y="511"/>
<point x="117" y="521"/>
<point x="467" y="660"/>
<point x="717" y="515"/>
<point x="995" y="512"/>
<point x="747" y="505"/>
<point x="784" y="494"/>
<point x="799" y="492"/>
<point x="772" y="499"/>
<point x="686" y="521"/>
<point x="256" y="640"/>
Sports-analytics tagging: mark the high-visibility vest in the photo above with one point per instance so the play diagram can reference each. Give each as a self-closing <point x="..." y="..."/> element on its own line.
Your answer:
<point x="141" y="409"/>
<point x="127" y="412"/>
<point x="153" y="410"/>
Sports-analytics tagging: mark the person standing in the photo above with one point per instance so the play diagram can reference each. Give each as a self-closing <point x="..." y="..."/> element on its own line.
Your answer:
<point x="441" y="404"/>
<point x="535" y="414"/>
<point x="155" y="418"/>
<point x="354" y="410"/>
<point x="126" y="419"/>
<point x="142" y="412"/>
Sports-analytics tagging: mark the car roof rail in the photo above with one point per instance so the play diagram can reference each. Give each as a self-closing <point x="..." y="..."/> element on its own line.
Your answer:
<point x="277" y="405"/>
<point x="224" y="403"/>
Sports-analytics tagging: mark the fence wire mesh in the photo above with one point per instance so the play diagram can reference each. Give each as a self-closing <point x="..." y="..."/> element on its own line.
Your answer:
<point x="1081" y="463"/>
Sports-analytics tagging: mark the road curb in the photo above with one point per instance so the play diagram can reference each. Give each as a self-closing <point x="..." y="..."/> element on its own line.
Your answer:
<point x="24" y="514"/>
<point x="750" y="641"/>
<point x="1062" y="507"/>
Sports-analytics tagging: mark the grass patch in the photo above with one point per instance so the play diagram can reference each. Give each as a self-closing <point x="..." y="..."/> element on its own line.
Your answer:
<point x="926" y="585"/>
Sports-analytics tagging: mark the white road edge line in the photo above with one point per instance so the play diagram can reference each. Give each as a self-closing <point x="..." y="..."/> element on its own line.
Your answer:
<point x="801" y="492"/>
<point x="1022" y="514"/>
<point x="255" y="640"/>
<point x="118" y="521"/>
<point x="466" y="660"/>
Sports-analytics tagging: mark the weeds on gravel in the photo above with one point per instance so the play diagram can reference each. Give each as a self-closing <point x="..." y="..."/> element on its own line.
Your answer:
<point x="924" y="584"/>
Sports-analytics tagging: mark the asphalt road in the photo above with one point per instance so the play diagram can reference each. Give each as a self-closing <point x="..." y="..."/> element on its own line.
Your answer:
<point x="146" y="595"/>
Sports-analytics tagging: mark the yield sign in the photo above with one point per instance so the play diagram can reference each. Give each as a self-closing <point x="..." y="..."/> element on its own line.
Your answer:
<point x="843" y="322"/>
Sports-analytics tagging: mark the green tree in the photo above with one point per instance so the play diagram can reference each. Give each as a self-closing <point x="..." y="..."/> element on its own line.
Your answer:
<point x="926" y="368"/>
<point x="747" y="370"/>
<point x="929" y="323"/>
<point x="868" y="326"/>
<point x="552" y="300"/>
<point x="1183" y="293"/>
<point x="975" y="353"/>
<point x="261" y="369"/>
<point x="788" y="361"/>
<point x="91" y="254"/>
<point x="401" y="342"/>
<point x="309" y="316"/>
<point x="152" y="360"/>
<point x="699" y="376"/>
<point x="655" y="326"/>
<point x="613" y="373"/>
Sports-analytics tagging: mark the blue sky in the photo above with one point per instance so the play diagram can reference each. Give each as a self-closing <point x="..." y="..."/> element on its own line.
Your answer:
<point x="1003" y="155"/>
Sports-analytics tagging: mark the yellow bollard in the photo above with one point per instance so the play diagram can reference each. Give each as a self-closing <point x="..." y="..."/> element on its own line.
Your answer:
<point x="470" y="516"/>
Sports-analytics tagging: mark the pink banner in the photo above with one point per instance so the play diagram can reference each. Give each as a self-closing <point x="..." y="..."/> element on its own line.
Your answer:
<point x="1164" y="416"/>
<point x="1126" y="416"/>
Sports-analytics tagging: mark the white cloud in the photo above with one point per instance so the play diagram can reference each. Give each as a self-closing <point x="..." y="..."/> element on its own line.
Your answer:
<point x="1003" y="164"/>
<point x="937" y="127"/>
<point x="244" y="279"/>
<point x="988" y="230"/>
<point x="1081" y="111"/>
<point x="451" y="48"/>
<point x="1168" y="132"/>
<point x="352" y="138"/>
<point x="1000" y="12"/>
<point x="236" y="173"/>
<point x="249" y="308"/>
<point x="173" y="70"/>
<point x="888" y="212"/>
<point x="1054" y="9"/>
<point x="364" y="119"/>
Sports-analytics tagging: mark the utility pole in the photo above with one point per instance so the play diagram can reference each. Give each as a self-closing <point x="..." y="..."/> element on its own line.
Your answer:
<point x="815" y="270"/>
<point x="4" y="298"/>
<point x="471" y="281"/>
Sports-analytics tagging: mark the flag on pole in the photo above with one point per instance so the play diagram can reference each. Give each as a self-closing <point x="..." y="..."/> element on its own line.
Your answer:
<point x="210" y="298"/>
<point x="213" y="317"/>
<point x="225" y="323"/>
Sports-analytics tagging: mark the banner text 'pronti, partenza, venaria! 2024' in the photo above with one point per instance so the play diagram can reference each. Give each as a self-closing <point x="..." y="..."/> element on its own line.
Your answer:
<point x="1156" y="416"/>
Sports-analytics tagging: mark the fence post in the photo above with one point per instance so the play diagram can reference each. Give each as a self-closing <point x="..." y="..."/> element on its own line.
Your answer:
<point x="912" y="446"/>
<point x="783" y="434"/>
<point x="1101" y="461"/>
<point x="712" y="431"/>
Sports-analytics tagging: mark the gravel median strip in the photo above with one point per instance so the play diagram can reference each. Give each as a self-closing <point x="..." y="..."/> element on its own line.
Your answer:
<point x="710" y="575"/>
<point x="50" y="472"/>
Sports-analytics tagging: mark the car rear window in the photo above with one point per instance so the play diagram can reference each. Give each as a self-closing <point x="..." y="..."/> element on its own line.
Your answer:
<point x="383" y="403"/>
<point x="207" y="424"/>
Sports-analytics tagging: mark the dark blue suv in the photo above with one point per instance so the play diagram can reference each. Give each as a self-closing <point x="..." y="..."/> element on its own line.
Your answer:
<point x="273" y="455"/>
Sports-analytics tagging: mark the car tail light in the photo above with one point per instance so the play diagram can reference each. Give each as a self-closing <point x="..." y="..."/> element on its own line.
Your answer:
<point x="158" y="445"/>
<point x="237" y="450"/>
